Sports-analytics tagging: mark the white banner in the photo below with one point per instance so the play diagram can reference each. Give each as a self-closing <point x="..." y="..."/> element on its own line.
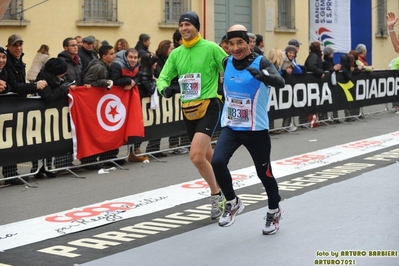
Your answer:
<point x="83" y="218"/>
<point x="330" y="24"/>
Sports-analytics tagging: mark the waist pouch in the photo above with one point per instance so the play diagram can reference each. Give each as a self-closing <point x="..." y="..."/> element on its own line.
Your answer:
<point x="195" y="110"/>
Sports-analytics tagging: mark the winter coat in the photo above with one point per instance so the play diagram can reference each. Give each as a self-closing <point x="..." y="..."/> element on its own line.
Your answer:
<point x="328" y="64"/>
<point x="96" y="74"/>
<point x="345" y="67"/>
<point x="121" y="72"/>
<point x="141" y="48"/>
<point x="17" y="76"/>
<point x="38" y="62"/>
<point x="147" y="84"/>
<point x="86" y="57"/>
<point x="4" y="77"/>
<point x="314" y="63"/>
<point x="55" y="89"/>
<point x="74" y="71"/>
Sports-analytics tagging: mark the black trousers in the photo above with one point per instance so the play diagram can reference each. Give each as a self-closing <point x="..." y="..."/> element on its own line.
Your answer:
<point x="258" y="144"/>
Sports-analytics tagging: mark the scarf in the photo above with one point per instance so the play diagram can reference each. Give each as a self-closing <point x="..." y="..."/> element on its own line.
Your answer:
<point x="75" y="60"/>
<point x="189" y="44"/>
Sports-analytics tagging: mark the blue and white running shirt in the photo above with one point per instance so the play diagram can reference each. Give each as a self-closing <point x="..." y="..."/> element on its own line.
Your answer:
<point x="246" y="99"/>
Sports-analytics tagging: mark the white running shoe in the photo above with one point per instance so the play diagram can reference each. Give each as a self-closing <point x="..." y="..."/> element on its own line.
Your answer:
<point x="231" y="209"/>
<point x="273" y="222"/>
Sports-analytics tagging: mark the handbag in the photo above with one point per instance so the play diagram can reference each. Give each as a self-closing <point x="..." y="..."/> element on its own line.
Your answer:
<point x="195" y="110"/>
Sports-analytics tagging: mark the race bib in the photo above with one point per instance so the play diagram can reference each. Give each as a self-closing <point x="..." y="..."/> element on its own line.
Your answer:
<point x="238" y="112"/>
<point x="190" y="86"/>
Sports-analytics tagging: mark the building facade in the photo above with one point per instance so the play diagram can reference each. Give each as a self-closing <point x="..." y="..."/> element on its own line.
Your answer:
<point x="51" y="21"/>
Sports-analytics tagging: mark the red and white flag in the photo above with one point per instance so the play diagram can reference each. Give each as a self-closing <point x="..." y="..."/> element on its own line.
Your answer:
<point x="102" y="120"/>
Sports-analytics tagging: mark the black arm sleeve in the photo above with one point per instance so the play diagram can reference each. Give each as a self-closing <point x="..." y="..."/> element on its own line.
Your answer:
<point x="147" y="84"/>
<point x="21" y="88"/>
<point x="50" y="95"/>
<point x="115" y="74"/>
<point x="274" y="78"/>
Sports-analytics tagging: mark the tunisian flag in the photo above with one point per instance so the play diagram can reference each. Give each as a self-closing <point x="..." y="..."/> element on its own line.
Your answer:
<point x="102" y="120"/>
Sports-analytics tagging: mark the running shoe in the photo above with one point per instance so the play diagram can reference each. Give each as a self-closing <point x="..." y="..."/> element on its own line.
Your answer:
<point x="231" y="209"/>
<point x="217" y="206"/>
<point x="273" y="222"/>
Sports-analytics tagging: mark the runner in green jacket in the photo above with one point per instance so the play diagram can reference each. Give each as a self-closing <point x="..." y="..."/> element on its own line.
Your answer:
<point x="197" y="63"/>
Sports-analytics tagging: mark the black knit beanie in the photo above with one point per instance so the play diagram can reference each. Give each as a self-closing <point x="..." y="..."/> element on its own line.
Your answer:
<point x="56" y="66"/>
<point x="192" y="18"/>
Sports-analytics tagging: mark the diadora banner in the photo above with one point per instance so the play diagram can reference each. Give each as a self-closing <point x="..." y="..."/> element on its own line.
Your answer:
<point x="307" y="94"/>
<point x="32" y="130"/>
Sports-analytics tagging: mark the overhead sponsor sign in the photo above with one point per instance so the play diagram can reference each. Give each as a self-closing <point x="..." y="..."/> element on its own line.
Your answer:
<point x="329" y="23"/>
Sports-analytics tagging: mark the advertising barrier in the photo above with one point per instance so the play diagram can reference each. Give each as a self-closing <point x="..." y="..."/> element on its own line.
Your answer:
<point x="32" y="130"/>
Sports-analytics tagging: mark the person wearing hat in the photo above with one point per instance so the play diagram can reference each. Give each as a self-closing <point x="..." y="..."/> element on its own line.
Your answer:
<point x="56" y="90"/>
<point x="294" y="42"/>
<point x="297" y="45"/>
<point x="247" y="81"/>
<point x="197" y="62"/>
<point x="86" y="52"/>
<point x="53" y="72"/>
<point x="16" y="71"/>
<point x="289" y="67"/>
<point x="328" y="62"/>
<point x="288" y="56"/>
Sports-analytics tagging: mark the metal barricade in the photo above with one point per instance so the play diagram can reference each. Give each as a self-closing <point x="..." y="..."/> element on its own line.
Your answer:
<point x="19" y="174"/>
<point x="66" y="162"/>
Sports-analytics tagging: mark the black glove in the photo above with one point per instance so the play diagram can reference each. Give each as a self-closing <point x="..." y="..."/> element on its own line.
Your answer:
<point x="168" y="92"/>
<point x="256" y="73"/>
<point x="65" y="86"/>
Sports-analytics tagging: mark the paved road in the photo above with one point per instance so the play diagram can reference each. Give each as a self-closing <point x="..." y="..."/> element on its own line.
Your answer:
<point x="352" y="212"/>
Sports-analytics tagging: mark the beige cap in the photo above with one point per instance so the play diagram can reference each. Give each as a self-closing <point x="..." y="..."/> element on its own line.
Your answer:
<point x="14" y="39"/>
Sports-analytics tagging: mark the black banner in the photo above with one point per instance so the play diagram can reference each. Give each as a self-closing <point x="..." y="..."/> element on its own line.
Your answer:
<point x="32" y="130"/>
<point x="308" y="94"/>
